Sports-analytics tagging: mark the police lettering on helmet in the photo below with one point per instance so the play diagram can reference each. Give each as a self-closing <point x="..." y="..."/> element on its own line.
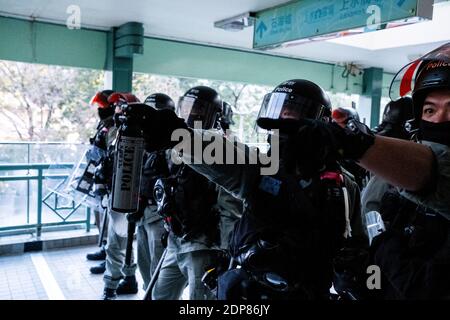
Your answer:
<point x="200" y="104"/>
<point x="160" y="101"/>
<point x="295" y="99"/>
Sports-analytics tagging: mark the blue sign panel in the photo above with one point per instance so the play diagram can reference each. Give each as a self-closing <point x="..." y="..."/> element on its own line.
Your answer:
<point x="311" y="18"/>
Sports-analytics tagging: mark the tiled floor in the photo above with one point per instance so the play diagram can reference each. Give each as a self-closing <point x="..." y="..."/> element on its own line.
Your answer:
<point x="19" y="278"/>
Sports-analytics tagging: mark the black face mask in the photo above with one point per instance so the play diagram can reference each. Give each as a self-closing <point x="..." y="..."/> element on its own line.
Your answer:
<point x="435" y="132"/>
<point x="287" y="153"/>
<point x="105" y="113"/>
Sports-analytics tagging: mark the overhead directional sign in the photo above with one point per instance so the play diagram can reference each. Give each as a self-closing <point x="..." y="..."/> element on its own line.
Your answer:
<point x="311" y="18"/>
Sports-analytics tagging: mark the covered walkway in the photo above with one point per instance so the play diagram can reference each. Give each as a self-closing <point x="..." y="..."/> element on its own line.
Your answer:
<point x="57" y="274"/>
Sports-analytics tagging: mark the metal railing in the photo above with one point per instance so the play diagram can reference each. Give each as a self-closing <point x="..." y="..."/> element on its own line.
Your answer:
<point x="39" y="176"/>
<point x="27" y="155"/>
<point x="38" y="173"/>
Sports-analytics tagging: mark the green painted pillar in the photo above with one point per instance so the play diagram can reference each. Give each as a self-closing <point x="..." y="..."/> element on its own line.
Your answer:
<point x="124" y="42"/>
<point x="372" y="85"/>
<point x="122" y="74"/>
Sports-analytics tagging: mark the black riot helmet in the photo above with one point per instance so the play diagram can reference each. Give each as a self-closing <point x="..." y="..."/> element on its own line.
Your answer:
<point x="396" y="117"/>
<point x="296" y="99"/>
<point x="428" y="73"/>
<point x="160" y="101"/>
<point x="432" y="75"/>
<point x="200" y="103"/>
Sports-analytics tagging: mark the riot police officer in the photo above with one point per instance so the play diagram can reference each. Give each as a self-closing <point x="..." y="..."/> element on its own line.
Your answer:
<point x="414" y="253"/>
<point x="294" y="220"/>
<point x="100" y="141"/>
<point x="395" y="122"/>
<point x="118" y="278"/>
<point x="396" y="116"/>
<point x="187" y="202"/>
<point x="150" y="229"/>
<point x="230" y="207"/>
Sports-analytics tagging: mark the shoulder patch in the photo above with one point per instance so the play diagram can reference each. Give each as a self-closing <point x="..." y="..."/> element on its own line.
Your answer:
<point x="270" y="185"/>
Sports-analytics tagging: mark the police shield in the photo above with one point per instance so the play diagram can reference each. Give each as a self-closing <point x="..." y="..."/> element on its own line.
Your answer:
<point x="81" y="181"/>
<point x="68" y="188"/>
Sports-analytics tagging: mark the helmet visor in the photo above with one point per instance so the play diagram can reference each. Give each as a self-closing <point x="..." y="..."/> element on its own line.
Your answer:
<point x="403" y="83"/>
<point x="195" y="110"/>
<point x="278" y="105"/>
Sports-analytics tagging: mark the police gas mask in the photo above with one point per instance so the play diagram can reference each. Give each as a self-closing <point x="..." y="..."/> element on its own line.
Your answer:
<point x="164" y="195"/>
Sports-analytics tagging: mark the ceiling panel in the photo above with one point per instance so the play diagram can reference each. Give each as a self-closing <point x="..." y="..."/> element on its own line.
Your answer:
<point x="193" y="21"/>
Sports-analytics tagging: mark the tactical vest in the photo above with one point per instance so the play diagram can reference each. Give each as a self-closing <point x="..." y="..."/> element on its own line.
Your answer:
<point x="424" y="229"/>
<point x="299" y="225"/>
<point x="192" y="213"/>
<point x="100" y="154"/>
<point x="100" y="138"/>
<point x="418" y="240"/>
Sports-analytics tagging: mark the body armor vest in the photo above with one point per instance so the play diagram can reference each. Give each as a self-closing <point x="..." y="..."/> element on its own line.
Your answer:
<point x="188" y="204"/>
<point x="293" y="229"/>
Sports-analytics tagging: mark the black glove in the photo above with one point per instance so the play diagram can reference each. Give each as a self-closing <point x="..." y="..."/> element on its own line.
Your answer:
<point x="158" y="128"/>
<point x="136" y="216"/>
<point x="157" y="125"/>
<point x="132" y="114"/>
<point x="164" y="238"/>
<point x="310" y="146"/>
<point x="355" y="139"/>
<point x="323" y="141"/>
<point x="100" y="139"/>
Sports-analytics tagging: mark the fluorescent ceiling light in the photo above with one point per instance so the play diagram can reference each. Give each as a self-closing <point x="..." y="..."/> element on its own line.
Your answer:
<point x="236" y="23"/>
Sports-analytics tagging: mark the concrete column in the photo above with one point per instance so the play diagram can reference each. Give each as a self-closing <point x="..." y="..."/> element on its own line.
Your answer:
<point x="372" y="85"/>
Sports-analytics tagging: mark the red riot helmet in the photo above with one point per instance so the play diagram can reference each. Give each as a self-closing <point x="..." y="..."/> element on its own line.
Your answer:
<point x="100" y="100"/>
<point x="119" y="98"/>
